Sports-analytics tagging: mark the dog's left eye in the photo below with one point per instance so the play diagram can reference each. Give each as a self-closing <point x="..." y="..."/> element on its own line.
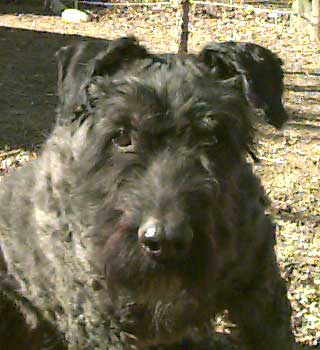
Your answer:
<point x="211" y="142"/>
<point x="122" y="138"/>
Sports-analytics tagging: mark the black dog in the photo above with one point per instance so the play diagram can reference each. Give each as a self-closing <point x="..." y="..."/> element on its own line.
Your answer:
<point x="141" y="219"/>
<point x="262" y="74"/>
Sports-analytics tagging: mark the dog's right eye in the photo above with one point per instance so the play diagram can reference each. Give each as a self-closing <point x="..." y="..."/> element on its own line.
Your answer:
<point x="122" y="139"/>
<point x="211" y="142"/>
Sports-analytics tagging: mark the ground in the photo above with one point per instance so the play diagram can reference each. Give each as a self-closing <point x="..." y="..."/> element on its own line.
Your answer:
<point x="290" y="159"/>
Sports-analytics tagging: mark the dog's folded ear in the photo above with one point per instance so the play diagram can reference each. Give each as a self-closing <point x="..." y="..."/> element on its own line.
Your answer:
<point x="226" y="60"/>
<point x="219" y="58"/>
<point x="79" y="63"/>
<point x="261" y="73"/>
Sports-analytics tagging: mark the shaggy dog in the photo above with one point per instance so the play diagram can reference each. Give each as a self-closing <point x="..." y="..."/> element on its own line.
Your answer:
<point x="141" y="219"/>
<point x="261" y="69"/>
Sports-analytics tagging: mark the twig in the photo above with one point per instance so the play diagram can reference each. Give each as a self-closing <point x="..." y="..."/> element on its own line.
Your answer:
<point x="276" y="161"/>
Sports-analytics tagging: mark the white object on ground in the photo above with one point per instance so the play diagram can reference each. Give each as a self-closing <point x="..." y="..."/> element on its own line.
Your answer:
<point x="75" y="16"/>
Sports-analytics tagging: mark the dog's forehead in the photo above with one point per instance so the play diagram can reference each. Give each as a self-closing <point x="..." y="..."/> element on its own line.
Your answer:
<point x="165" y="89"/>
<point x="166" y="92"/>
<point x="169" y="68"/>
<point x="172" y="81"/>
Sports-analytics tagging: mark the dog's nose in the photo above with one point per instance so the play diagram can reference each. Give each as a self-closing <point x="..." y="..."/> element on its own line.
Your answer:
<point x="165" y="241"/>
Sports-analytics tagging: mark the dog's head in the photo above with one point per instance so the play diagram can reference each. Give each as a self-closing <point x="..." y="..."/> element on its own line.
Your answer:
<point x="261" y="71"/>
<point x="154" y="144"/>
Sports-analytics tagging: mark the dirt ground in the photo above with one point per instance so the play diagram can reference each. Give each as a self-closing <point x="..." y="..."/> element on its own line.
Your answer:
<point x="28" y="84"/>
<point x="290" y="159"/>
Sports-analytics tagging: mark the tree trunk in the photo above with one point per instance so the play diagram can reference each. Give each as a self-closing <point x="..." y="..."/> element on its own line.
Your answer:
<point x="184" y="34"/>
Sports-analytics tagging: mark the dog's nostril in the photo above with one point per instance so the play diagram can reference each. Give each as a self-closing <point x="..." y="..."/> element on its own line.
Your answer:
<point x="152" y="246"/>
<point x="151" y="236"/>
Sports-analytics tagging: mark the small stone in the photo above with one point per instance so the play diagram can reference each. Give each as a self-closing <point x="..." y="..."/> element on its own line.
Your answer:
<point x="75" y="16"/>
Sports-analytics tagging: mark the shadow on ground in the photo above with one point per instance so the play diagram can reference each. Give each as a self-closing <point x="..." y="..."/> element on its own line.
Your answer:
<point x="35" y="7"/>
<point x="28" y="79"/>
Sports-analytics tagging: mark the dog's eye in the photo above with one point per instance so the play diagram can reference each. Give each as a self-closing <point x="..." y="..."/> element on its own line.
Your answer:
<point x="122" y="138"/>
<point x="211" y="142"/>
<point x="214" y="141"/>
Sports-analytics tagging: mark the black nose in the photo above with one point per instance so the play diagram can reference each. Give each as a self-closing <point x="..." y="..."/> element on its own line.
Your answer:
<point x="165" y="241"/>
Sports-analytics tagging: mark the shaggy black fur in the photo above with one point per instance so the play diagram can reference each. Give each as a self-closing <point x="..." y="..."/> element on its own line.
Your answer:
<point x="141" y="219"/>
<point x="261" y="70"/>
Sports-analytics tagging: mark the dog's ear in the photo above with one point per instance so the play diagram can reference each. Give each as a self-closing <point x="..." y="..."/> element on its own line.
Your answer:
<point x="261" y="73"/>
<point x="219" y="59"/>
<point x="227" y="60"/>
<point x="78" y="64"/>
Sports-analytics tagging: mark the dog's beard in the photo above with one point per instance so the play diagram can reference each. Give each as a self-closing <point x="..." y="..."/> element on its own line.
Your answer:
<point x="160" y="288"/>
<point x="148" y="283"/>
<point x="161" y="310"/>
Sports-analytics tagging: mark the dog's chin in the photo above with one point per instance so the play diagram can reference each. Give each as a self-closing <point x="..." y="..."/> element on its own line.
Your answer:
<point x="129" y="271"/>
<point x="153" y="285"/>
<point x="160" y="288"/>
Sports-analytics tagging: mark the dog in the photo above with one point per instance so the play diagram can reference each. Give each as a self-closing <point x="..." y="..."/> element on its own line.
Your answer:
<point x="141" y="218"/>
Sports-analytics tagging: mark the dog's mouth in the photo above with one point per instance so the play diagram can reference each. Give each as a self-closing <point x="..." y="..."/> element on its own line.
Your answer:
<point x="163" y="253"/>
<point x="160" y="288"/>
<point x="153" y="248"/>
<point x="152" y="263"/>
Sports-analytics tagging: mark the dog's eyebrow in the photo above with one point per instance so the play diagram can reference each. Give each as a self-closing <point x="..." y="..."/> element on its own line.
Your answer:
<point x="158" y="123"/>
<point x="164" y="123"/>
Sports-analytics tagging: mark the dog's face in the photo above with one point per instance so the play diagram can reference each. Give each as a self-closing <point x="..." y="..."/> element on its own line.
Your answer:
<point x="154" y="142"/>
